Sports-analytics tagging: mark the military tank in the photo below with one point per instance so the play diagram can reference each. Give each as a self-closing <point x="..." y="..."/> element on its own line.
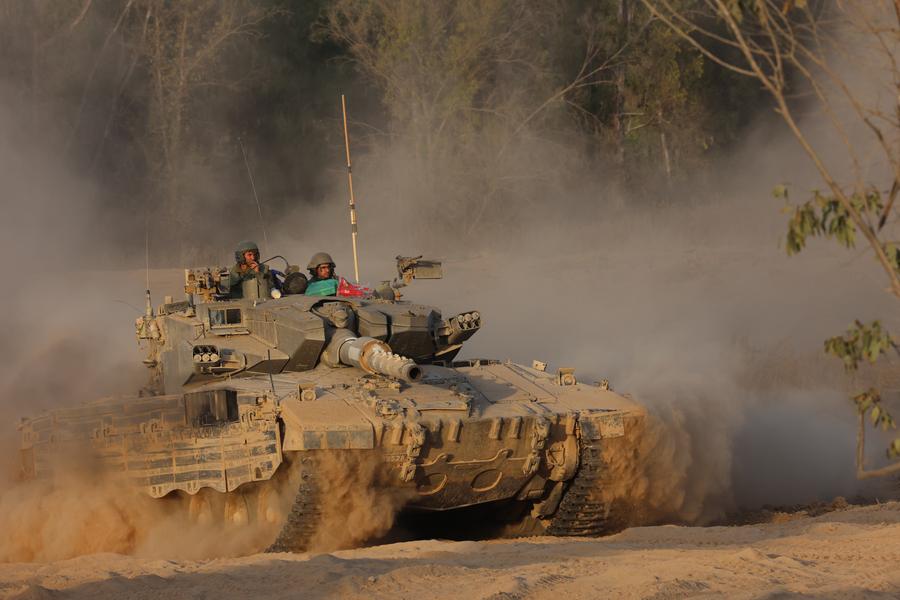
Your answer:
<point x="245" y="393"/>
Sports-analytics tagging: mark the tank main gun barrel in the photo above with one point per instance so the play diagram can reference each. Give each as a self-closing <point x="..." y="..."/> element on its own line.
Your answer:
<point x="374" y="356"/>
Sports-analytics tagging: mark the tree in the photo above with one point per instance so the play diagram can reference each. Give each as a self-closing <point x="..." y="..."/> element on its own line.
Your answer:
<point x="815" y="51"/>
<point x="183" y="47"/>
<point x="496" y="106"/>
<point x="30" y="32"/>
<point x="487" y="97"/>
<point x="456" y="77"/>
<point x="503" y="103"/>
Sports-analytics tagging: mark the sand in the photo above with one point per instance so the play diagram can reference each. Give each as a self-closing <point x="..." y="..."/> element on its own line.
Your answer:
<point x="844" y="554"/>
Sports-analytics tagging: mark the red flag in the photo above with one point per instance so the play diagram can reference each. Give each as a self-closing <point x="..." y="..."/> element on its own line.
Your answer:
<point x="347" y="289"/>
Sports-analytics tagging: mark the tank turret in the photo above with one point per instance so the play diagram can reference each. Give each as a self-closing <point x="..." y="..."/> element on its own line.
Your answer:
<point x="193" y="344"/>
<point x="211" y="336"/>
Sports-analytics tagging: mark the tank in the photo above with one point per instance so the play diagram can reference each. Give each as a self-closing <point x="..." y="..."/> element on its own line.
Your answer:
<point x="246" y="394"/>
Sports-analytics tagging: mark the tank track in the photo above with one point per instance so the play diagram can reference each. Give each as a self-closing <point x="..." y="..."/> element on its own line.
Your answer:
<point x="305" y="515"/>
<point x="583" y="510"/>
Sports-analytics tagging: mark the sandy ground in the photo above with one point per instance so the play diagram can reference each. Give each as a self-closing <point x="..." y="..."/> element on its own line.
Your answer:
<point x="845" y="554"/>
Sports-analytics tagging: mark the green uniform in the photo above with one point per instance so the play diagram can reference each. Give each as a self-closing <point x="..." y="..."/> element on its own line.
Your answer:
<point x="236" y="277"/>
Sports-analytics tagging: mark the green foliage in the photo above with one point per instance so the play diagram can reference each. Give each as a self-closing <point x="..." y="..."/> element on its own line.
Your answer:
<point x="894" y="449"/>
<point x="892" y="251"/>
<point x="827" y="216"/>
<point x="870" y="401"/>
<point x="491" y="75"/>
<point x="867" y="342"/>
<point x="861" y="342"/>
<point x="438" y="64"/>
<point x="664" y="100"/>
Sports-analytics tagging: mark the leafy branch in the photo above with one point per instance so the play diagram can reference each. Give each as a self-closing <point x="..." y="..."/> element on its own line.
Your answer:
<point x="867" y="343"/>
<point x="870" y="401"/>
<point x="827" y="216"/>
<point x="861" y="342"/>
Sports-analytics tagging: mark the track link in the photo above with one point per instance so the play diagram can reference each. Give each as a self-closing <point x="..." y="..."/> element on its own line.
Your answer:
<point x="583" y="511"/>
<point x="305" y="514"/>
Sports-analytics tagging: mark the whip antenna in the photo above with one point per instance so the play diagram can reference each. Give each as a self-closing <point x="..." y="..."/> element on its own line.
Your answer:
<point x="149" y="307"/>
<point x="262" y="223"/>
<point x="353" y="228"/>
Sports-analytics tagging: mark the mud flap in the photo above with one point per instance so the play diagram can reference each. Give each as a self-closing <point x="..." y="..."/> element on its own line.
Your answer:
<point x="325" y="425"/>
<point x="595" y="426"/>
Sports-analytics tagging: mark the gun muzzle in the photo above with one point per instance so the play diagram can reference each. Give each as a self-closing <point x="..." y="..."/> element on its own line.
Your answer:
<point x="374" y="356"/>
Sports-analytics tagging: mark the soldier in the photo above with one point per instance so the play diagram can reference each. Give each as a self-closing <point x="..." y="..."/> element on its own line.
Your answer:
<point x="246" y="267"/>
<point x="323" y="281"/>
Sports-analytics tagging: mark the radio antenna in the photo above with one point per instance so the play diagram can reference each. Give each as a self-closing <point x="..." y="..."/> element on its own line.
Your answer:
<point x="262" y="223"/>
<point x="353" y="228"/>
<point x="149" y="307"/>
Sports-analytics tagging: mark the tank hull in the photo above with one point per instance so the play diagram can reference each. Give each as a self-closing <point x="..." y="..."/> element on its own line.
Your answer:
<point x="475" y="433"/>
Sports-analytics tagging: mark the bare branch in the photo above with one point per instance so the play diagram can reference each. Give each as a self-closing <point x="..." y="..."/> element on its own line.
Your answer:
<point x="685" y="35"/>
<point x="82" y="13"/>
<point x="92" y="74"/>
<point x="895" y="187"/>
<point x="861" y="471"/>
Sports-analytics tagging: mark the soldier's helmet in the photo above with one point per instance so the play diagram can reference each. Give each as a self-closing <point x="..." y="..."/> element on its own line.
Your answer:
<point x="243" y="247"/>
<point x="320" y="258"/>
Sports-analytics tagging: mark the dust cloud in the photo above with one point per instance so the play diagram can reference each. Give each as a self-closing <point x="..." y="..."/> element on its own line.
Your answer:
<point x="51" y="521"/>
<point x="360" y="500"/>
<point x="84" y="509"/>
